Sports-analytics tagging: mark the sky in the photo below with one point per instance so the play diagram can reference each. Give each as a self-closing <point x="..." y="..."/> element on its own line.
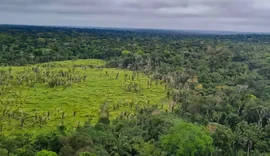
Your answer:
<point x="222" y="15"/>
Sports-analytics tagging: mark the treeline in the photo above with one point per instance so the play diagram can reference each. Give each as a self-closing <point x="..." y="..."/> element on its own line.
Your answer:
<point x="219" y="83"/>
<point x="148" y="133"/>
<point x="21" y="45"/>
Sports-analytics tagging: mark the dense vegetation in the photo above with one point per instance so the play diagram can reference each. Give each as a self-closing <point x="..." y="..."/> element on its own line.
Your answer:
<point x="217" y="91"/>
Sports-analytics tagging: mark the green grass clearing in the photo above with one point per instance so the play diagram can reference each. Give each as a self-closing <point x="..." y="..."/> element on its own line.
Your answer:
<point x="24" y="107"/>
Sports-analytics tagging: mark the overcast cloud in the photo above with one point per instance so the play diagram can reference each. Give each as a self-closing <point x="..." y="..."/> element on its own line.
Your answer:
<point x="229" y="15"/>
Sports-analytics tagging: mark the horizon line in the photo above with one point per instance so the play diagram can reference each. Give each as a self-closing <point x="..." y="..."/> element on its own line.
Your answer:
<point x="216" y="32"/>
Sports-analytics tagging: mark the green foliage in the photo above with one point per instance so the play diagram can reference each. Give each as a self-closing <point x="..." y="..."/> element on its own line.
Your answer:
<point x="147" y="148"/>
<point x="223" y="139"/>
<point x="125" y="52"/>
<point x="49" y="141"/>
<point x="219" y="81"/>
<point x="140" y="52"/>
<point x="86" y="154"/>
<point x="46" y="153"/>
<point x="44" y="96"/>
<point x="3" y="152"/>
<point x="187" y="139"/>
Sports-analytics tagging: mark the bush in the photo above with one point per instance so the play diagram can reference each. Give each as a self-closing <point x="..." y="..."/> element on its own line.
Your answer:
<point x="46" y="153"/>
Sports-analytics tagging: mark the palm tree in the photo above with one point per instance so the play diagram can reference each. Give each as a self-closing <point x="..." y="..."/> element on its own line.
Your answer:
<point x="248" y="134"/>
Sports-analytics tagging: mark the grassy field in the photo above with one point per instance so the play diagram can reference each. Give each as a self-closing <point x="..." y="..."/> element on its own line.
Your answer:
<point x="38" y="98"/>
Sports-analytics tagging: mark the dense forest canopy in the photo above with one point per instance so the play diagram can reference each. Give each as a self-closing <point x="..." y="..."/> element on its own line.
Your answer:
<point x="219" y="86"/>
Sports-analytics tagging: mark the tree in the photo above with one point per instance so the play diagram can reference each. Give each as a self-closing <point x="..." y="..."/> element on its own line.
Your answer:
<point x="147" y="148"/>
<point x="3" y="152"/>
<point x="46" y="153"/>
<point x="86" y="154"/>
<point x="248" y="137"/>
<point x="187" y="139"/>
<point x="223" y="139"/>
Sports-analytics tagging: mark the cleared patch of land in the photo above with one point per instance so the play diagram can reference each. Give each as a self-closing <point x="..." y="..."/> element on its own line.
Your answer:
<point x="39" y="98"/>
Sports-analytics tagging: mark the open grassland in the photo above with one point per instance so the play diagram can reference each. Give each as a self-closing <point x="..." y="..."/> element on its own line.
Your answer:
<point x="41" y="97"/>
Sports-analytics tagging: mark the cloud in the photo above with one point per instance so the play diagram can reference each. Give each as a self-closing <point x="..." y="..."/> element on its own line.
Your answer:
<point x="238" y="15"/>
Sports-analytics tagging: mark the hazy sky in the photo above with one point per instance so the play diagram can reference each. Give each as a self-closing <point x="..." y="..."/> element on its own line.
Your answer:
<point x="230" y="15"/>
